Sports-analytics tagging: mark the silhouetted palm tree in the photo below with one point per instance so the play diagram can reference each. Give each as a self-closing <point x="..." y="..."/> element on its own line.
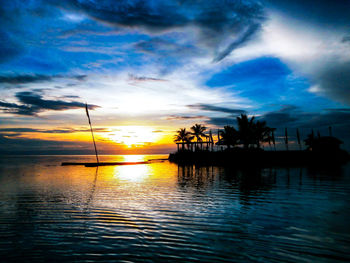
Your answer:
<point x="198" y="131"/>
<point x="246" y="130"/>
<point x="262" y="133"/>
<point x="270" y="137"/>
<point x="229" y="136"/>
<point x="183" y="136"/>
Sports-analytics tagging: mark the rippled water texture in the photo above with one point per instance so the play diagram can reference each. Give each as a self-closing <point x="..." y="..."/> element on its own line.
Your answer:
<point x="164" y="213"/>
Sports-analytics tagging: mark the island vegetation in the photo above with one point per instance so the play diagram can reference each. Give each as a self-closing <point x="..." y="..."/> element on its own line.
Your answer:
<point x="253" y="142"/>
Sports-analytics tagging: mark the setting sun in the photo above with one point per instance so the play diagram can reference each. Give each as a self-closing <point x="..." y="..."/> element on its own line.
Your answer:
<point x="134" y="136"/>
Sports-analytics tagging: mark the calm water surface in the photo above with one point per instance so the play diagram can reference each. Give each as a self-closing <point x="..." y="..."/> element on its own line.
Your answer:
<point x="164" y="213"/>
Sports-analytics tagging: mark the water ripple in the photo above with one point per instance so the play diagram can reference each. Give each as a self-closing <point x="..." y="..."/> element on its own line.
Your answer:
<point x="165" y="213"/>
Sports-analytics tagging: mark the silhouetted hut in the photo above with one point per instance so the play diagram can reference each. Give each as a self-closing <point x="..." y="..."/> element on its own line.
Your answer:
<point x="325" y="144"/>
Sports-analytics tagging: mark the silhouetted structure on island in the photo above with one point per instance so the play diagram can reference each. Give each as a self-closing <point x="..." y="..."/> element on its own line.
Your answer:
<point x="323" y="144"/>
<point x="242" y="146"/>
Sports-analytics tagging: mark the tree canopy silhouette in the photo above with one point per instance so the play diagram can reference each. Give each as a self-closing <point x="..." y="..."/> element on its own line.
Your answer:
<point x="262" y="133"/>
<point x="250" y="133"/>
<point x="198" y="131"/>
<point x="229" y="136"/>
<point x="246" y="130"/>
<point x="183" y="136"/>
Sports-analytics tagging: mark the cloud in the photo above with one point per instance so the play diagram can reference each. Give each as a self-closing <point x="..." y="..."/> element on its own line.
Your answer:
<point x="222" y="121"/>
<point x="219" y="25"/>
<point x="238" y="42"/>
<point x="217" y="120"/>
<point x="59" y="130"/>
<point x="16" y="109"/>
<point x="338" y="110"/>
<point x="143" y="78"/>
<point x="330" y="117"/>
<point x="165" y="48"/>
<point x="22" y="79"/>
<point x="180" y="117"/>
<point x="33" y="103"/>
<point x="284" y="117"/>
<point x="71" y="97"/>
<point x="311" y="40"/>
<point x="209" y="107"/>
<point x="27" y="78"/>
<point x="333" y="80"/>
<point x="324" y="13"/>
<point x="157" y="131"/>
<point x="293" y="117"/>
<point x="13" y="145"/>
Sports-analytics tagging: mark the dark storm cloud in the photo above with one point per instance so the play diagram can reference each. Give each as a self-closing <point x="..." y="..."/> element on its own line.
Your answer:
<point x="209" y="107"/>
<point x="22" y="79"/>
<point x="222" y="121"/>
<point x="291" y="116"/>
<point x="130" y="13"/>
<point x="16" y="109"/>
<point x="33" y="103"/>
<point x="331" y="117"/>
<point x="219" y="121"/>
<point x="322" y="13"/>
<point x="27" y="78"/>
<point x="330" y="74"/>
<point x="36" y="100"/>
<point x="215" y="21"/>
<point x="334" y="80"/>
<point x="284" y="117"/>
<point x="279" y="118"/>
<point x="237" y="43"/>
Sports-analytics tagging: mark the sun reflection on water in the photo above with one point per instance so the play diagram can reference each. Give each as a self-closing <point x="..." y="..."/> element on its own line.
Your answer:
<point x="133" y="158"/>
<point x="133" y="173"/>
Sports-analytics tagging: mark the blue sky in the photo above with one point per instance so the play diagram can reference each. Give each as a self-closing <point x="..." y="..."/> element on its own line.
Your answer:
<point x="162" y="65"/>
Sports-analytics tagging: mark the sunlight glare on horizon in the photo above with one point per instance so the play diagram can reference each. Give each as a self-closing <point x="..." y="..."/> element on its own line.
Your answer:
<point x="134" y="136"/>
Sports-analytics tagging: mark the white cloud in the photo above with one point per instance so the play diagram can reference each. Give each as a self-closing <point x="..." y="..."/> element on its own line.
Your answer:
<point x="313" y="52"/>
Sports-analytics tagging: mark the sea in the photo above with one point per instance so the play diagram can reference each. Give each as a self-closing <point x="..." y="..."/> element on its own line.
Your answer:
<point x="163" y="212"/>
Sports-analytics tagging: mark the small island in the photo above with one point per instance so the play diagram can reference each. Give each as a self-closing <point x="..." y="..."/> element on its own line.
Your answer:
<point x="253" y="144"/>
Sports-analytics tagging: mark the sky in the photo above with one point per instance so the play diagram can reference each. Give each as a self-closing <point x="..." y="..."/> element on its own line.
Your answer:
<point x="148" y="68"/>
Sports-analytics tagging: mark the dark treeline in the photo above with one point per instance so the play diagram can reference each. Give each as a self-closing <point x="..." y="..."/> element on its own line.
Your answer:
<point x="250" y="134"/>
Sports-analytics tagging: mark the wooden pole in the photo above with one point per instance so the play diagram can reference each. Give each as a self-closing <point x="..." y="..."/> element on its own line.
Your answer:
<point x="298" y="138"/>
<point x="92" y="132"/>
